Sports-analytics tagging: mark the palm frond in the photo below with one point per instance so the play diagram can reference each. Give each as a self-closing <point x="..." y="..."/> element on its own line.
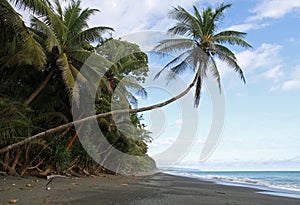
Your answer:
<point x="198" y="91"/>
<point x="81" y="21"/>
<point x="56" y="23"/>
<point x="223" y="49"/>
<point x="91" y="59"/>
<point x="14" y="121"/>
<point x="132" y="84"/>
<point x="89" y="35"/>
<point x="173" y="45"/>
<point x="232" y="38"/>
<point x="22" y="40"/>
<point x="186" y="20"/>
<point x="181" y="29"/>
<point x="50" y="35"/>
<point x="199" y="19"/>
<point x="212" y="17"/>
<point x="65" y="67"/>
<point x="225" y="55"/>
<point x="168" y="65"/>
<point x="37" y="6"/>
<point x="58" y="8"/>
<point x="71" y="14"/>
<point x="34" y="49"/>
<point x="214" y="70"/>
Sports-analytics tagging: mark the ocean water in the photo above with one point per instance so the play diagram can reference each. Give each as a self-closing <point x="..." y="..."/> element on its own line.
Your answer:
<point x="280" y="183"/>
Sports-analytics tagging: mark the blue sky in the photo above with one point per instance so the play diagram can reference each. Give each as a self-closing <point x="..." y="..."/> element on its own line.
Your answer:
<point x="262" y="120"/>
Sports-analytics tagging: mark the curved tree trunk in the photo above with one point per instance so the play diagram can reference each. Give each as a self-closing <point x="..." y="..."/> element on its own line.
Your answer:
<point x="68" y="125"/>
<point x="40" y="88"/>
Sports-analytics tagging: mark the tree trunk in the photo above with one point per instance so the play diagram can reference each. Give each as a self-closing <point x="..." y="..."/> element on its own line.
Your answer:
<point x="68" y="125"/>
<point x="40" y="88"/>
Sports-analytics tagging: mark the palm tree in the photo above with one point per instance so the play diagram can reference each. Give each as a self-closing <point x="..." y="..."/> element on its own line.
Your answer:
<point x="18" y="45"/>
<point x="201" y="45"/>
<point x="66" y="37"/>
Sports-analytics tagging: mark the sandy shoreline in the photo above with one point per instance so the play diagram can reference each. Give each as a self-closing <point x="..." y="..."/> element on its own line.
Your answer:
<point x="108" y="189"/>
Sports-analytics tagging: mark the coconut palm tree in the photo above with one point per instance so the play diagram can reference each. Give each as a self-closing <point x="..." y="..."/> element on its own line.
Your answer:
<point x="66" y="37"/>
<point x="200" y="45"/>
<point x="18" y="45"/>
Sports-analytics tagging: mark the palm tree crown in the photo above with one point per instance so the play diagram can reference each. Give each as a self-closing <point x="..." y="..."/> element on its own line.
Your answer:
<point x="201" y="44"/>
<point x="66" y="37"/>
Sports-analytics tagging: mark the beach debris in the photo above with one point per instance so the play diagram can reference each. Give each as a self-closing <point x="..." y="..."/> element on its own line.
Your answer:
<point x="48" y="188"/>
<point x="124" y="184"/>
<point x="13" y="201"/>
<point x="219" y="192"/>
<point x="36" y="180"/>
<point x="55" y="176"/>
<point x="3" y="174"/>
<point x="13" y="184"/>
<point x="86" y="172"/>
<point x="51" y="177"/>
<point x="28" y="185"/>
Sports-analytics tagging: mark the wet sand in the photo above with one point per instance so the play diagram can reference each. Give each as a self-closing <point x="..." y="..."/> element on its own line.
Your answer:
<point x="107" y="189"/>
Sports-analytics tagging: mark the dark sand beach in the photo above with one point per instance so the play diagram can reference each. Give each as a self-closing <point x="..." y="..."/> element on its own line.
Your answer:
<point x="108" y="189"/>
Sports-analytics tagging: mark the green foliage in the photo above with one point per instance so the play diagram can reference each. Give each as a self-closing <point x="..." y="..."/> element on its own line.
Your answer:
<point x="60" y="41"/>
<point x="18" y="45"/>
<point x="61" y="160"/>
<point x="15" y="122"/>
<point x="130" y="66"/>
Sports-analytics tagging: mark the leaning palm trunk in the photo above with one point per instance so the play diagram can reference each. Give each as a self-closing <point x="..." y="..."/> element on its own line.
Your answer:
<point x="40" y="88"/>
<point x="68" y="125"/>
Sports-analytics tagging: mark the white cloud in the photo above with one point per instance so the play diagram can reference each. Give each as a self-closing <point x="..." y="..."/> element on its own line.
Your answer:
<point x="247" y="27"/>
<point x="265" y="57"/>
<point x="262" y="63"/>
<point x="147" y="40"/>
<point x="274" y="9"/>
<point x="293" y="82"/>
<point x="127" y="17"/>
<point x="290" y="85"/>
<point x="274" y="73"/>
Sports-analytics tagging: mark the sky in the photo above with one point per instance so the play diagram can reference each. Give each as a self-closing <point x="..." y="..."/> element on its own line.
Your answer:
<point x="261" y="129"/>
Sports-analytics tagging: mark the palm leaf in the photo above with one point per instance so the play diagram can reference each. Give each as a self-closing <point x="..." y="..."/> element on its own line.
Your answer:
<point x="26" y="50"/>
<point x="225" y="55"/>
<point x="51" y="37"/>
<point x="65" y="67"/>
<point x="81" y="21"/>
<point x="89" y="35"/>
<point x="214" y="17"/>
<point x="186" y="20"/>
<point x="198" y="89"/>
<point x="173" y="45"/>
<point x="232" y="37"/>
<point x="215" y="72"/>
<point x="37" y="6"/>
